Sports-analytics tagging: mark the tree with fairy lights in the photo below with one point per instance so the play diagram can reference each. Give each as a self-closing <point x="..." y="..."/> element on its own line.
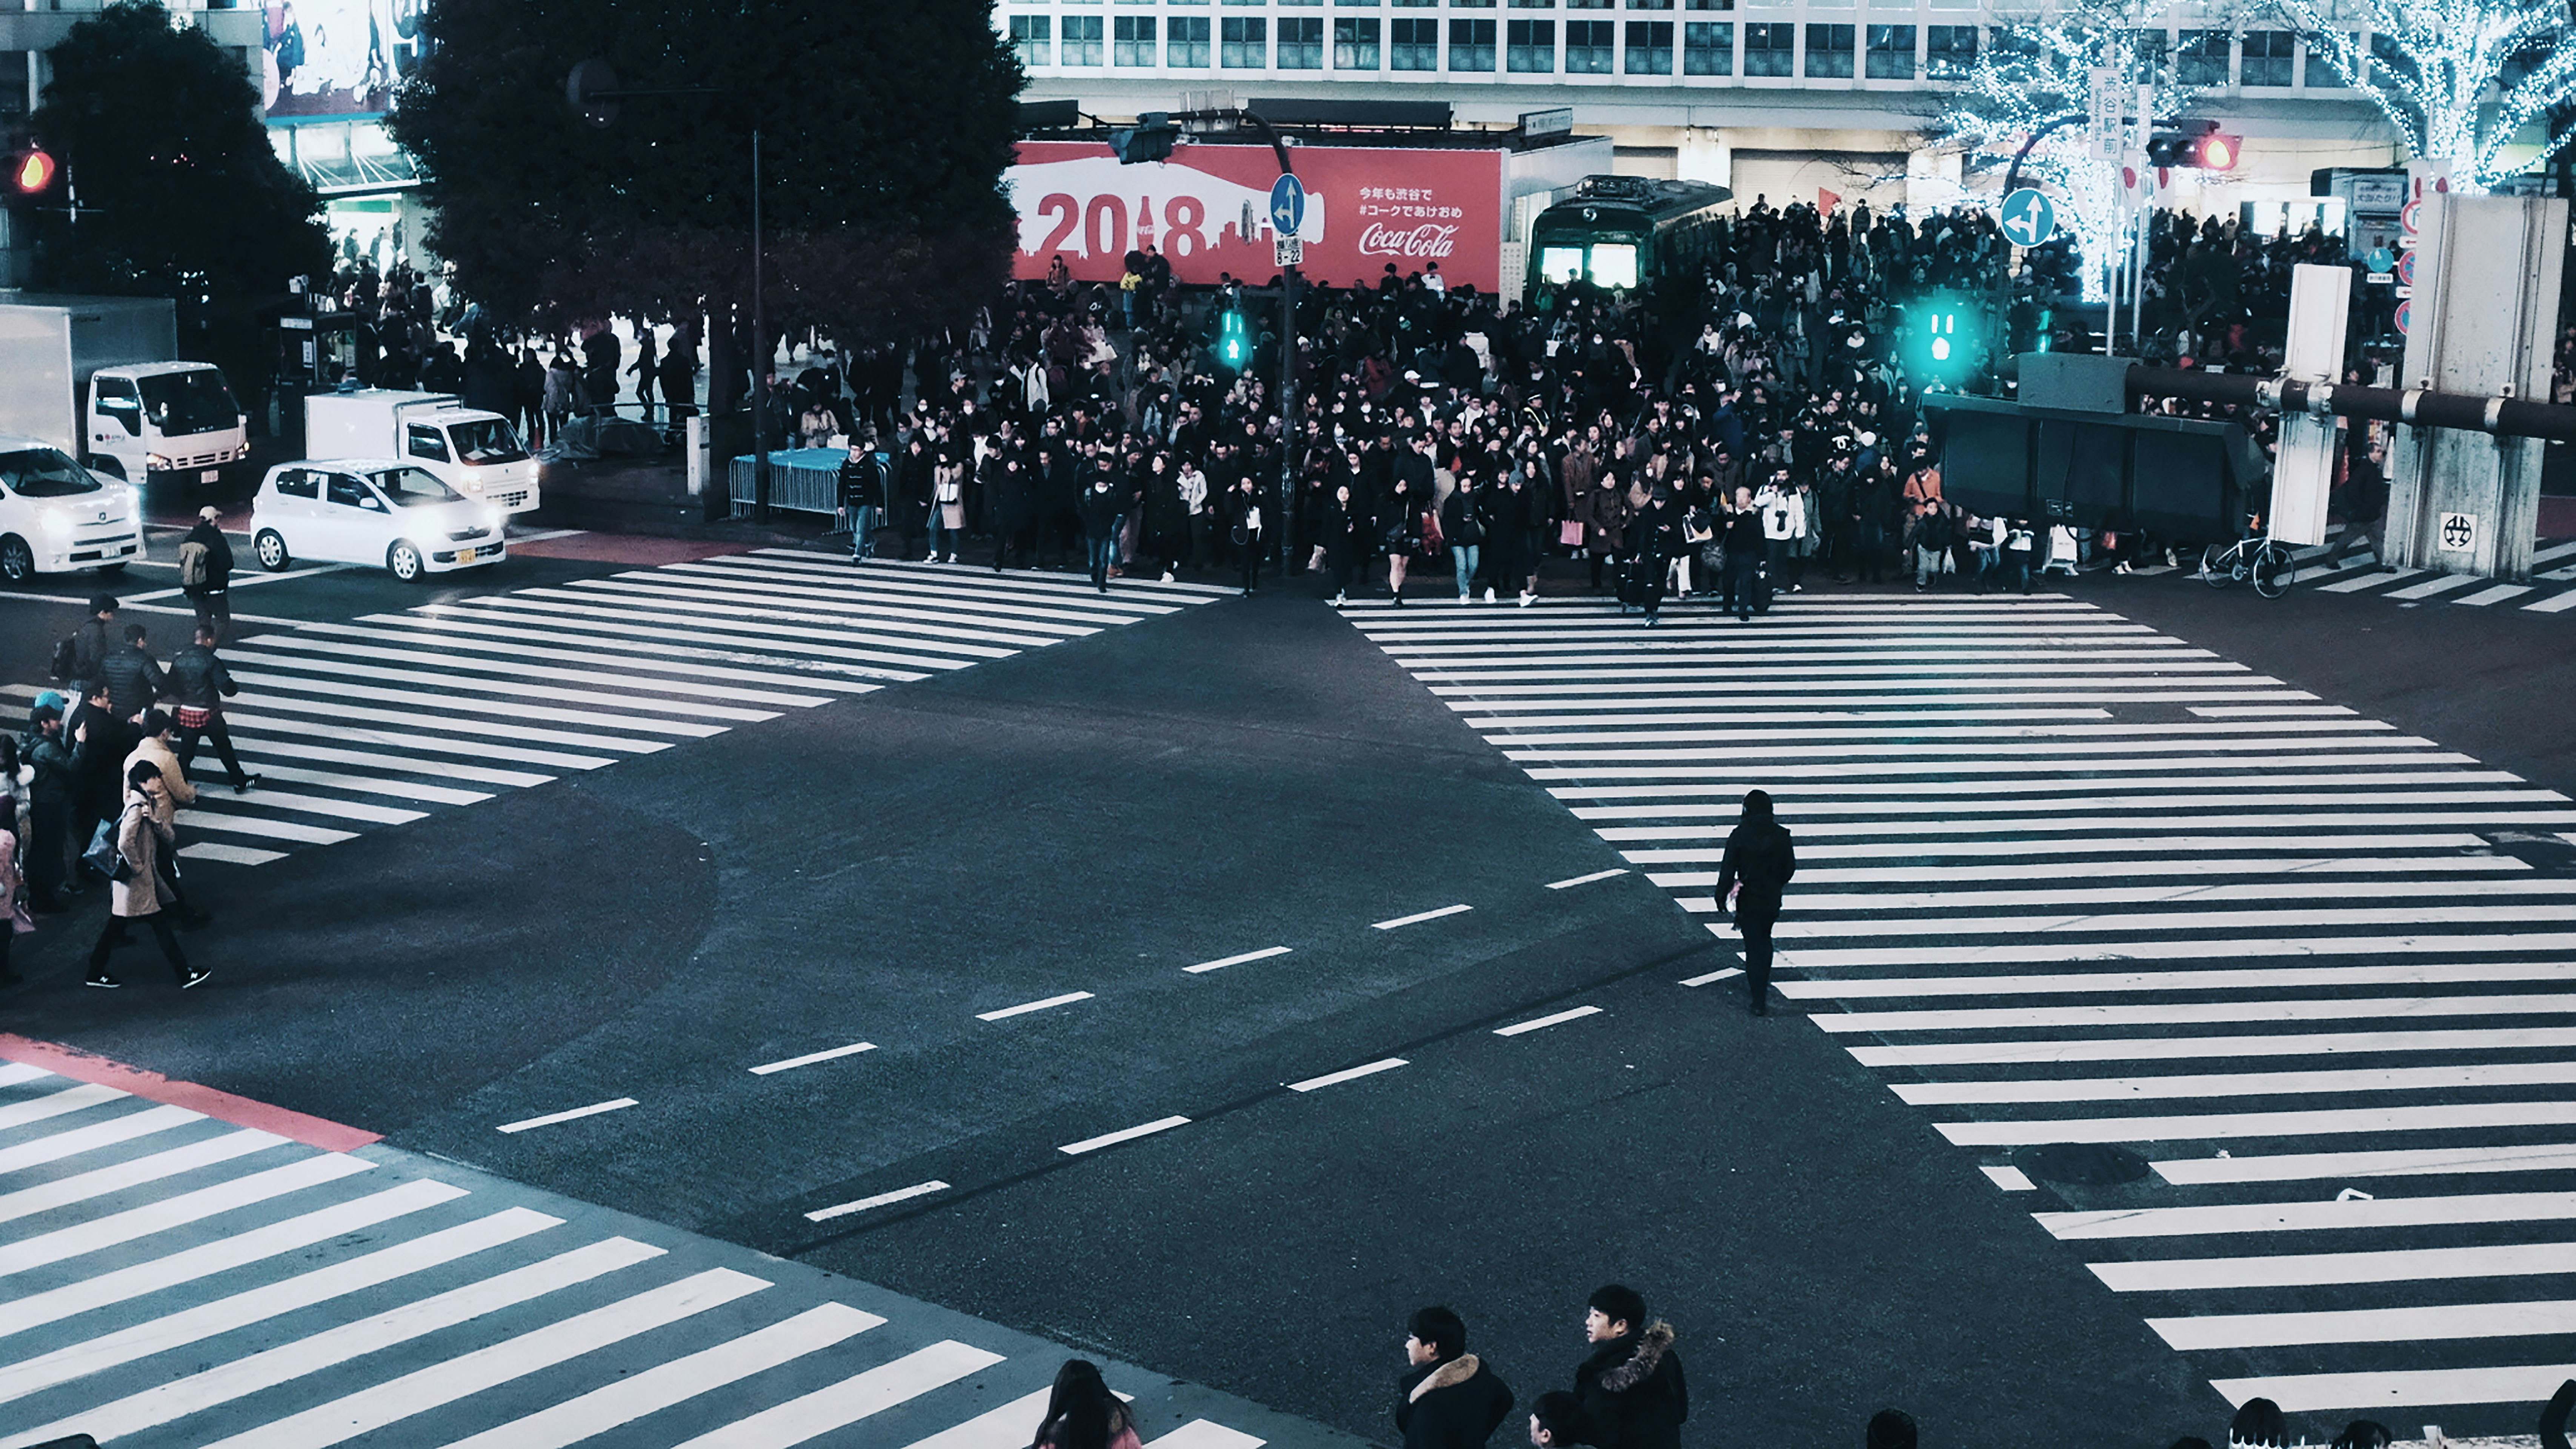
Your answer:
<point x="2032" y="87"/>
<point x="2430" y="65"/>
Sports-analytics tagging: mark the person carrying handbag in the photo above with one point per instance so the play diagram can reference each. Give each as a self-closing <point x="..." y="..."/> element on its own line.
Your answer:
<point x="14" y="919"/>
<point x="137" y="890"/>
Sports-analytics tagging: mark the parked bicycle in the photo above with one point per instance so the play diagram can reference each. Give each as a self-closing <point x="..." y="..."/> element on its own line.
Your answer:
<point x="2265" y="560"/>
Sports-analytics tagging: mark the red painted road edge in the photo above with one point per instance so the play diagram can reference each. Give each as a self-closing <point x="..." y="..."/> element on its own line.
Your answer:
<point x="223" y="1106"/>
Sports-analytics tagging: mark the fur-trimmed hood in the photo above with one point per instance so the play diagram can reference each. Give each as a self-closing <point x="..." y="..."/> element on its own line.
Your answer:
<point x="1651" y="1347"/>
<point x="1448" y="1376"/>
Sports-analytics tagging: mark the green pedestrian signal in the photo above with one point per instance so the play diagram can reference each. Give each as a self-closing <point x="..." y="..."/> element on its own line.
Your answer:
<point x="1233" y="346"/>
<point x="1948" y="338"/>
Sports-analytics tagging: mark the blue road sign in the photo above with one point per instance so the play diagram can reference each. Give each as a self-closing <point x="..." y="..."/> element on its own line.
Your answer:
<point x="2028" y="218"/>
<point x="1287" y="205"/>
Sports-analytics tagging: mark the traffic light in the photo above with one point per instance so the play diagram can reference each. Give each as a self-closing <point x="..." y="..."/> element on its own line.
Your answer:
<point x="1150" y="139"/>
<point x="1948" y="339"/>
<point x="2197" y="144"/>
<point x="1233" y="344"/>
<point x="32" y="172"/>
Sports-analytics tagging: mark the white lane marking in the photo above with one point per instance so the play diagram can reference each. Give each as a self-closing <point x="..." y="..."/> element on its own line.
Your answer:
<point x="2300" y="1217"/>
<point x="2192" y="1013"/>
<point x="2392" y="1162"/>
<point x="98" y="1182"/>
<point x="1205" y="1434"/>
<point x="1419" y="917"/>
<point x="2423" y="973"/>
<point x="56" y="1146"/>
<point x="12" y="1073"/>
<point x="677" y="1381"/>
<point x="901" y="1194"/>
<point x="1720" y="974"/>
<point x="223" y="1254"/>
<point x="268" y="1301"/>
<point x="2384" y="1389"/>
<point x="2237" y="1084"/>
<point x="2307" y="1270"/>
<point x="1263" y="954"/>
<point x="2010" y="1179"/>
<point x="2200" y="949"/>
<point x="56" y="1103"/>
<point x="1125" y="1134"/>
<point x="577" y="1113"/>
<point x="2227" y="1125"/>
<point x="1012" y="1426"/>
<point x="1025" y="1007"/>
<point x="171" y="1212"/>
<point x="1542" y="1022"/>
<point x="2172" y="1048"/>
<point x="810" y="1058"/>
<point x="445" y="1382"/>
<point x="2495" y="595"/>
<point x="244" y="581"/>
<point x="1348" y="1074"/>
<point x="852" y="1399"/>
<point x="1558" y="885"/>
<point x="2554" y="604"/>
<point x="2439" y="584"/>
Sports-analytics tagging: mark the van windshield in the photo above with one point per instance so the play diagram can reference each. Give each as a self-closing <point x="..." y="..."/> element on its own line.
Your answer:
<point x="485" y="441"/>
<point x="414" y="487"/>
<point x="183" y="403"/>
<point x="44" y="473"/>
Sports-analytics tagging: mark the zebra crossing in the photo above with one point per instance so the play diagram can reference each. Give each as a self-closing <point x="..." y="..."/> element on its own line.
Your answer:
<point x="387" y="718"/>
<point x="176" y="1280"/>
<point x="2267" y="1004"/>
<point x="2552" y="589"/>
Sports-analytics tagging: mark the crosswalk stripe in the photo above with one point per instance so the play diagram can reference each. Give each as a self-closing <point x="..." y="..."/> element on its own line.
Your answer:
<point x="677" y="1381"/>
<point x="249" y="724"/>
<point x="278" y="687"/>
<point x="813" y="645"/>
<point x="61" y="1099"/>
<point x="2311" y="1270"/>
<point x="2049" y="1018"/>
<point x="2381" y="1388"/>
<point x="80" y="1187"/>
<point x="1012" y="1426"/>
<point x="315" y="656"/>
<point x="12" y="1073"/>
<point x="60" y="1145"/>
<point x="205" y="1202"/>
<point x="466" y="638"/>
<point x="2238" y="1084"/>
<point x="2368" y="1325"/>
<point x="998" y="608"/>
<point x="2176" y="1048"/>
<point x="2438" y="584"/>
<point x="2496" y="595"/>
<point x="2554" y="604"/>
<point x="372" y="785"/>
<point x="267" y="750"/>
<point x="336" y="715"/>
<point x="2219" y="1126"/>
<point x="852" y="1399"/>
<point x="782" y="603"/>
<point x="216" y="820"/>
<point x="2392" y="1162"/>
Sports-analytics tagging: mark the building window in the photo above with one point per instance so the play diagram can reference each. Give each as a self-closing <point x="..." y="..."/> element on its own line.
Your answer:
<point x="1082" y="40"/>
<point x="1768" y="48"/>
<point x="1301" y="43"/>
<point x="1413" y="45"/>
<point x="1533" y="4"/>
<point x="1949" y="51"/>
<point x="1650" y="47"/>
<point x="1471" y="45"/>
<point x="1829" y="52"/>
<point x="1187" y="42"/>
<point x="13" y="81"/>
<point x="1588" y="4"/>
<point x="1891" y="52"/>
<point x="1650" y="4"/>
<point x="2202" y="58"/>
<point x="2319" y="73"/>
<point x="1708" y="48"/>
<point x="1711" y="4"/>
<point x="1245" y="43"/>
<point x="1132" y="40"/>
<point x="1415" y="4"/>
<point x="2388" y="58"/>
<point x="2268" y="54"/>
<point x="1031" y="37"/>
<point x="1532" y="46"/>
<point x="1587" y="46"/>
<point x="1355" y="44"/>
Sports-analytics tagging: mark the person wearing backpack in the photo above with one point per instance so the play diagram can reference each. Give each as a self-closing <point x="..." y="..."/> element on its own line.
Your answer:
<point x="206" y="573"/>
<point x="78" y="655"/>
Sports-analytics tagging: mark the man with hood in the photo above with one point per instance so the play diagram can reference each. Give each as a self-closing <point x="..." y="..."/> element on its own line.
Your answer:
<point x="1630" y="1385"/>
<point x="1448" y="1399"/>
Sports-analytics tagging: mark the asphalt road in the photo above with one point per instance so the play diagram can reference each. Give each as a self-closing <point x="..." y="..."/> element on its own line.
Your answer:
<point x="1096" y="818"/>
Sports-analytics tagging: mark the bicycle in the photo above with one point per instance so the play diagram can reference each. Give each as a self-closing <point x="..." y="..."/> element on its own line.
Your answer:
<point x="2266" y="560"/>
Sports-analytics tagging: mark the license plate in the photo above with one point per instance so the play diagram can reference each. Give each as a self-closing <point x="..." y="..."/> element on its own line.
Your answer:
<point x="211" y="475"/>
<point x="467" y="555"/>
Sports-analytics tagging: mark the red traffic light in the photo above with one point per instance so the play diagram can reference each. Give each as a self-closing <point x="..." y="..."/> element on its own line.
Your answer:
<point x="2217" y="151"/>
<point x="32" y="172"/>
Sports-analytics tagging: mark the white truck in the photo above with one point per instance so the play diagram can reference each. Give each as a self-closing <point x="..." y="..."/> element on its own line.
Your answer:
<point x="100" y="379"/>
<point x="474" y="452"/>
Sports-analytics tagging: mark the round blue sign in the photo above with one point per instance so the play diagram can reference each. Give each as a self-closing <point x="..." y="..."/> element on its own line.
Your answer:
<point x="1287" y="204"/>
<point x="2028" y="218"/>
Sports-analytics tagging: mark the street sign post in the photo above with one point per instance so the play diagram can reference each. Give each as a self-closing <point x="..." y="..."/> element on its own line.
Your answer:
<point x="1290" y="251"/>
<point x="1287" y="205"/>
<point x="2109" y="100"/>
<point x="2028" y="218"/>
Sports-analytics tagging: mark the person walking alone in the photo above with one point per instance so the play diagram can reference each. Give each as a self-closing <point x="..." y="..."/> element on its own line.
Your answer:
<point x="1099" y="510"/>
<point x="141" y="892"/>
<point x="198" y="685"/>
<point x="1760" y="858"/>
<point x="206" y="573"/>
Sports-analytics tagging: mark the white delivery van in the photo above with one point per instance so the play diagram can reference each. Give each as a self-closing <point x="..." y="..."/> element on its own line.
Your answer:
<point x="474" y="452"/>
<point x="58" y="517"/>
<point x="99" y="378"/>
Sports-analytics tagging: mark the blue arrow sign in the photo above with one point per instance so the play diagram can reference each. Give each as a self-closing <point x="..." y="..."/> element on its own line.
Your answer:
<point x="2028" y="218"/>
<point x="1287" y="205"/>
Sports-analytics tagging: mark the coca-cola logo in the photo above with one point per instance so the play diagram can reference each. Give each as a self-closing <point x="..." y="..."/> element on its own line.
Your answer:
<point x="1434" y="242"/>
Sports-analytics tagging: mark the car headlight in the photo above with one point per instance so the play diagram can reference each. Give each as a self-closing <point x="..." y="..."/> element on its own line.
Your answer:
<point x="155" y="460"/>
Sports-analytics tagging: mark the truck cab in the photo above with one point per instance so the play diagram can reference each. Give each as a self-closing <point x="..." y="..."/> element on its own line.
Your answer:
<point x="477" y="453"/>
<point x="59" y="517"/>
<point x="154" y="420"/>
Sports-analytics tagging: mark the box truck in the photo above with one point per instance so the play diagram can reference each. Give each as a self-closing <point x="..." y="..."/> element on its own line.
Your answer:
<point x="474" y="452"/>
<point x="100" y="379"/>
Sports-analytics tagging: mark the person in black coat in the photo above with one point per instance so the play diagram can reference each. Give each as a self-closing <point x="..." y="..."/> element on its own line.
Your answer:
<point x="1760" y="858"/>
<point x="1631" y="1384"/>
<point x="1346" y="540"/>
<point x="1448" y="1399"/>
<point x="1099" y="513"/>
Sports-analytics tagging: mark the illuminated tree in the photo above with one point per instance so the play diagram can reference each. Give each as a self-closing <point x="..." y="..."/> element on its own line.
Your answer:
<point x="2431" y="66"/>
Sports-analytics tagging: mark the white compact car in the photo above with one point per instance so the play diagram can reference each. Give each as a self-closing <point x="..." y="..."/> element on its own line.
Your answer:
<point x="374" y="511"/>
<point x="58" y="517"/>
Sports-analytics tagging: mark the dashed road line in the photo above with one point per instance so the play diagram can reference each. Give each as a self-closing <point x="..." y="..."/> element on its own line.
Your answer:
<point x="810" y="1058"/>
<point x="1349" y="1074"/>
<point x="1125" y="1134"/>
<point x="576" y="1114"/>
<point x="1420" y="916"/>
<point x="1025" y="1007"/>
<point x="1558" y="885"/>
<point x="1540" y="1023"/>
<point x="901" y="1194"/>
<point x="1264" y="954"/>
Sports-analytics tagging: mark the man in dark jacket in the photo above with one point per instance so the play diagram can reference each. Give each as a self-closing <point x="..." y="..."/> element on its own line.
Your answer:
<point x="2365" y="508"/>
<point x="50" y="797"/>
<point x="91" y="643"/>
<point x="198" y="686"/>
<point x="101" y="739"/>
<point x="132" y="676"/>
<point x="1099" y="513"/>
<point x="1759" y="860"/>
<point x="1448" y="1399"/>
<point x="1631" y="1383"/>
<point x="862" y="498"/>
<point x="206" y="572"/>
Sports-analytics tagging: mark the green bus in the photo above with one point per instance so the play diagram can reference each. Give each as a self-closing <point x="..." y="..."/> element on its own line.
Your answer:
<point x="1625" y="231"/>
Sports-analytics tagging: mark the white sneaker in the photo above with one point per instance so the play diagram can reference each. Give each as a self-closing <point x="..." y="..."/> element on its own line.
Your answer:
<point x="1463" y="600"/>
<point x="1489" y="593"/>
<point x="1526" y="598"/>
<point x="1167" y="576"/>
<point x="1340" y="599"/>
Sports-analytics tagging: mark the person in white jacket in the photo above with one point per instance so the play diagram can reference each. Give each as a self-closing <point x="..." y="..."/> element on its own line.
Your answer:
<point x="1784" y="523"/>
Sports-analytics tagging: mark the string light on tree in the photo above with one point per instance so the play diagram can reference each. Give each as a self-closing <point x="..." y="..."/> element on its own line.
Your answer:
<point x="2430" y="66"/>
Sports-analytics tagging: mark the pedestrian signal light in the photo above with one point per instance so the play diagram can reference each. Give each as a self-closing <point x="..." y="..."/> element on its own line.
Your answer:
<point x="31" y="171"/>
<point x="1233" y="347"/>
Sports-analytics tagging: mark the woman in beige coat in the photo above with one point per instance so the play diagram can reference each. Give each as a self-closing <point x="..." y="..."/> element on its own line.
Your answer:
<point x="141" y="893"/>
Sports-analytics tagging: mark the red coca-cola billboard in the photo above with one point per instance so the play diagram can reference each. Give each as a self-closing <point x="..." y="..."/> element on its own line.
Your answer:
<point x="1366" y="206"/>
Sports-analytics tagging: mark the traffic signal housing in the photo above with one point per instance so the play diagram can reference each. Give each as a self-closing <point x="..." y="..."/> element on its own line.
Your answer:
<point x="1150" y="139"/>
<point x="32" y="172"/>
<point x="1233" y="342"/>
<point x="2196" y="144"/>
<point x="1946" y="341"/>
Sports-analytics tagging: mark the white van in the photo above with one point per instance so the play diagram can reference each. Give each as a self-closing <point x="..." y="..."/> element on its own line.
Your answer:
<point x="371" y="511"/>
<point x="59" y="517"/>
